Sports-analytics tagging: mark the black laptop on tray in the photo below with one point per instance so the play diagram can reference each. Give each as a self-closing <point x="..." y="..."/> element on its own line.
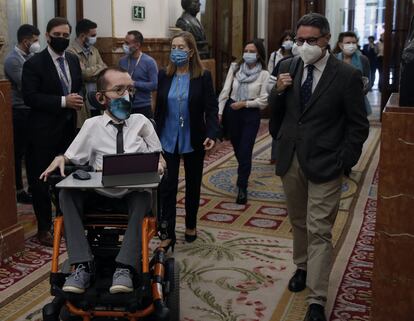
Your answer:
<point x="130" y="169"/>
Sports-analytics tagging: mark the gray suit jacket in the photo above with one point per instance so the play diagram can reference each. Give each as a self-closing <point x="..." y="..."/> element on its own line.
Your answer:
<point x="328" y="135"/>
<point x="13" y="67"/>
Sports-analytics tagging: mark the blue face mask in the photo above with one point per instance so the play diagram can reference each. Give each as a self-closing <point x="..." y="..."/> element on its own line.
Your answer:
<point x="250" y="57"/>
<point x="120" y="108"/>
<point x="179" y="57"/>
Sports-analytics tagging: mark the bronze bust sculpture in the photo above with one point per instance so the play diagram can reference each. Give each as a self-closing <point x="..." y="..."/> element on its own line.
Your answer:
<point x="189" y="22"/>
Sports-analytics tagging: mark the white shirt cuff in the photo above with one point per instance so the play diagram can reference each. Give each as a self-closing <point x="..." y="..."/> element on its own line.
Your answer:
<point x="63" y="102"/>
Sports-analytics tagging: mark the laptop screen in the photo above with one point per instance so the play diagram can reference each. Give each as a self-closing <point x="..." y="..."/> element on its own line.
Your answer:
<point x="133" y="163"/>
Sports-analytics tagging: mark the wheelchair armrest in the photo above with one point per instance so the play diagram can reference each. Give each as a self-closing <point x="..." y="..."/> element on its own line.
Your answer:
<point x="55" y="177"/>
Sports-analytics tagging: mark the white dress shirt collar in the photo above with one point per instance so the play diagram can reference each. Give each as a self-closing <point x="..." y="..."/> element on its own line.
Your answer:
<point x="107" y="119"/>
<point x="53" y="54"/>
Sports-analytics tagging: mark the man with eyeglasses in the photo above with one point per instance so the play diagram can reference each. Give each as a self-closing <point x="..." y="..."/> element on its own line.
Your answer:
<point x="320" y="139"/>
<point x="116" y="131"/>
<point x="51" y="82"/>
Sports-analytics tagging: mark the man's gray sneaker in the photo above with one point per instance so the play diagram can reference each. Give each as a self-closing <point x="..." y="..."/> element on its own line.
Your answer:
<point x="78" y="281"/>
<point x="121" y="281"/>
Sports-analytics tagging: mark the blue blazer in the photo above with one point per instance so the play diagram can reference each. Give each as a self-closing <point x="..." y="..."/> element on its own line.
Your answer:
<point x="203" y="108"/>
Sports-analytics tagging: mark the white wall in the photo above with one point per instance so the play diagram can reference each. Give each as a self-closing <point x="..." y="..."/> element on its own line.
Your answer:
<point x="71" y="16"/>
<point x="45" y="12"/>
<point x="100" y="11"/>
<point x="159" y="16"/>
<point x="335" y="13"/>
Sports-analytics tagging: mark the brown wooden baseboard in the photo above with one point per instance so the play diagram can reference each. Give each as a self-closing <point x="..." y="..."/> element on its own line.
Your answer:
<point x="11" y="241"/>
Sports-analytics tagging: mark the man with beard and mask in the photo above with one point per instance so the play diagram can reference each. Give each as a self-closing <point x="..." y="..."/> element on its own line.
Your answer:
<point x="116" y="131"/>
<point x="51" y="81"/>
<point x="90" y="60"/>
<point x="321" y="136"/>
<point x="27" y="46"/>
<point x="143" y="70"/>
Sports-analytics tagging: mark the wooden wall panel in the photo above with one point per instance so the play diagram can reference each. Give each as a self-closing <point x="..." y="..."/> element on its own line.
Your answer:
<point x="11" y="232"/>
<point x="279" y="19"/>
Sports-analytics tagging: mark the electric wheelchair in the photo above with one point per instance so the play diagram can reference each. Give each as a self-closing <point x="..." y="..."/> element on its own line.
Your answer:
<point x="156" y="287"/>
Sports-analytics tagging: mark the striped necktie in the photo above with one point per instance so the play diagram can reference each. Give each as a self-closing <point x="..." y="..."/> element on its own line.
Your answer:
<point x="65" y="81"/>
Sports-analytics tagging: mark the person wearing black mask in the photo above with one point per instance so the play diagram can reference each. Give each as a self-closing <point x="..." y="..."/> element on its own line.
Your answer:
<point x="51" y="81"/>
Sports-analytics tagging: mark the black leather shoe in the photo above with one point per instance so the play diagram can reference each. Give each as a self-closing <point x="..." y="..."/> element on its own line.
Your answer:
<point x="316" y="312"/>
<point x="298" y="281"/>
<point x="24" y="197"/>
<point x="242" y="196"/>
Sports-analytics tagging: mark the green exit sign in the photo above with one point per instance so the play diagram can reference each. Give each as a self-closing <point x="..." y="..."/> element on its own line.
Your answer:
<point x="138" y="12"/>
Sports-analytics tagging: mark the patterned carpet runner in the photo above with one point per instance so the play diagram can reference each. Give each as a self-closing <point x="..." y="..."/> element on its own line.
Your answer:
<point x="238" y="268"/>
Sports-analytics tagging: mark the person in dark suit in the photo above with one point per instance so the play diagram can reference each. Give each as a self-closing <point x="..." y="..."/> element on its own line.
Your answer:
<point x="370" y="50"/>
<point x="187" y="124"/>
<point x="51" y="81"/>
<point x="321" y="137"/>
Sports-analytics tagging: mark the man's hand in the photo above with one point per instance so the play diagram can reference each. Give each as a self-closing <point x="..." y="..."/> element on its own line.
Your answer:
<point x="238" y="105"/>
<point x="162" y="165"/>
<point x="74" y="101"/>
<point x="208" y="144"/>
<point x="283" y="82"/>
<point x="58" y="162"/>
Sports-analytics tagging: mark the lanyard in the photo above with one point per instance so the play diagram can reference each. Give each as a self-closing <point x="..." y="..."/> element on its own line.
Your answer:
<point x="136" y="64"/>
<point x="62" y="76"/>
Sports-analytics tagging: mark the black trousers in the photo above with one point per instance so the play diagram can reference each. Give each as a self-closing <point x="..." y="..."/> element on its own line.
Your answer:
<point x="245" y="124"/>
<point x="146" y="111"/>
<point x="39" y="157"/>
<point x="193" y="166"/>
<point x="21" y="137"/>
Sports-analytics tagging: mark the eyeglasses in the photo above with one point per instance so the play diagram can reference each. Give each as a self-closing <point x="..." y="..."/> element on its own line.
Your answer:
<point x="120" y="90"/>
<point x="311" y="41"/>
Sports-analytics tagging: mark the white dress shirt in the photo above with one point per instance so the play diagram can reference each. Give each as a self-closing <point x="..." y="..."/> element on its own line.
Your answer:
<point x="257" y="91"/>
<point x="97" y="137"/>
<point x="317" y="71"/>
<point x="55" y="57"/>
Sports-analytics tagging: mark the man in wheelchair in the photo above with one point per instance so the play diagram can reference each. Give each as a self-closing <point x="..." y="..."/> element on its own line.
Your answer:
<point x="116" y="131"/>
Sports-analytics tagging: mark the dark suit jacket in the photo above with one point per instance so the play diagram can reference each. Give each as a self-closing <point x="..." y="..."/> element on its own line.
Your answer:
<point x="328" y="135"/>
<point x="203" y="107"/>
<point x="42" y="92"/>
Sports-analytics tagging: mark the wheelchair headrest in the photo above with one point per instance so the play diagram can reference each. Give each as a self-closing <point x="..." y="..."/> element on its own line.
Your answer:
<point x="91" y="97"/>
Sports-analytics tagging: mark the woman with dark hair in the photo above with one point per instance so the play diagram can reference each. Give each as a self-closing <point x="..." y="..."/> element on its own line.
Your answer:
<point x="349" y="52"/>
<point x="245" y="94"/>
<point x="187" y="124"/>
<point x="286" y="44"/>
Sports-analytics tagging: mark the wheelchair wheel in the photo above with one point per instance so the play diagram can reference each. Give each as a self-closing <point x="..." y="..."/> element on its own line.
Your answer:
<point x="173" y="297"/>
<point x="66" y="316"/>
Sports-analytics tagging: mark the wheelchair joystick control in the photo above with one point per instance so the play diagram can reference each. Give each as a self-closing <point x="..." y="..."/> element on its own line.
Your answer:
<point x="162" y="230"/>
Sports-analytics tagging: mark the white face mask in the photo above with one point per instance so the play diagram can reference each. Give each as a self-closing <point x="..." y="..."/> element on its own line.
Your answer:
<point x="349" y="48"/>
<point x="91" y="41"/>
<point x="34" y="47"/>
<point x="295" y="50"/>
<point x="288" y="44"/>
<point x="310" y="54"/>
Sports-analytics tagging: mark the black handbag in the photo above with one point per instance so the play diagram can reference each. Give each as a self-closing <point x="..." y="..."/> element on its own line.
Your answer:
<point x="226" y="119"/>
